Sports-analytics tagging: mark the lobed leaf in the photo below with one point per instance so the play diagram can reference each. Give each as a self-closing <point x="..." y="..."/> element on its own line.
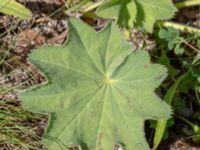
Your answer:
<point x="99" y="93"/>
<point x="139" y="13"/>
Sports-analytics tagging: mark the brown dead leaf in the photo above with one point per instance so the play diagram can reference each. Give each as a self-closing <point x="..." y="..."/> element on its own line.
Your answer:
<point x="57" y="2"/>
<point x="58" y="39"/>
<point x="182" y="145"/>
<point x="28" y="39"/>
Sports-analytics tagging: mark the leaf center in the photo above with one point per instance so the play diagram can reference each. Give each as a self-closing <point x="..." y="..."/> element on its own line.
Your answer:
<point x="108" y="80"/>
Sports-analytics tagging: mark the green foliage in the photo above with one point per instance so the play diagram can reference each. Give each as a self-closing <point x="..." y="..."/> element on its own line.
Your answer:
<point x="195" y="129"/>
<point x="184" y="72"/>
<point x="164" y="60"/>
<point x="173" y="39"/>
<point x="169" y="124"/>
<point x="180" y="106"/>
<point x="196" y="61"/>
<point x="14" y="8"/>
<point x="198" y="44"/>
<point x="191" y="81"/>
<point x="99" y="93"/>
<point x="142" y="13"/>
<point x="162" y="124"/>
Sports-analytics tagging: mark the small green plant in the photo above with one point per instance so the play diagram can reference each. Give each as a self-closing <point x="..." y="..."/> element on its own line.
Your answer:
<point x="183" y="82"/>
<point x="11" y="7"/>
<point x="175" y="41"/>
<point x="173" y="38"/>
<point x="99" y="92"/>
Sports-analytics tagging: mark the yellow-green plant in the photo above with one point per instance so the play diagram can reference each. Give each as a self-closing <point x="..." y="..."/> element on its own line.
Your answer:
<point x="14" y="8"/>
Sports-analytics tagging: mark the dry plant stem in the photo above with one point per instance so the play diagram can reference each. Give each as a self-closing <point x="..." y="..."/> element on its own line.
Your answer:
<point x="191" y="46"/>
<point x="17" y="86"/>
<point x="187" y="3"/>
<point x="72" y="9"/>
<point x="92" y="7"/>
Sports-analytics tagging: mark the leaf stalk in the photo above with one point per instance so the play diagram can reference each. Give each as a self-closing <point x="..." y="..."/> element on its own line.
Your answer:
<point x="187" y="3"/>
<point x="181" y="27"/>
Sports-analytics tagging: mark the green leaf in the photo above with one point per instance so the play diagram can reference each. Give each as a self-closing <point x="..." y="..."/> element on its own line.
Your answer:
<point x="189" y="82"/>
<point x="196" y="60"/>
<point x="171" y="36"/>
<point x="124" y="11"/>
<point x="99" y="93"/>
<point x="164" y="60"/>
<point x="142" y="13"/>
<point x="181" y="107"/>
<point x="170" y="123"/>
<point x="179" y="50"/>
<point x="173" y="39"/>
<point x="198" y="44"/>
<point x="161" y="124"/>
<point x="14" y="8"/>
